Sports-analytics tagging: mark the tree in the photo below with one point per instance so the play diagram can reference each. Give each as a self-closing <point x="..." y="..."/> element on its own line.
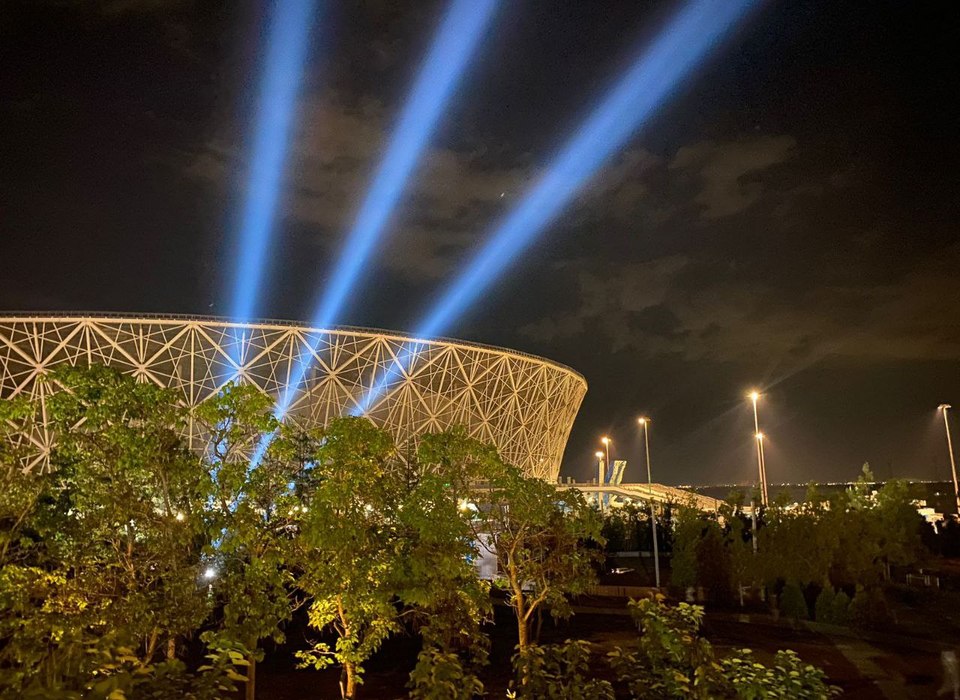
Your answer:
<point x="350" y="548"/>
<point x="445" y="599"/>
<point x="539" y="535"/>
<point x="105" y="571"/>
<point x="796" y="545"/>
<point x="686" y="535"/>
<point x="738" y="541"/>
<point x="249" y="514"/>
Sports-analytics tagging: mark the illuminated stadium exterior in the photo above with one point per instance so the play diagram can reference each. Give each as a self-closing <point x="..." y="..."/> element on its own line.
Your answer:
<point x="522" y="404"/>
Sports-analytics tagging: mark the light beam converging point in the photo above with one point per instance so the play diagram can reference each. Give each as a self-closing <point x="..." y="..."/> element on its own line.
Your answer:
<point x="286" y="51"/>
<point x="682" y="44"/>
<point x="455" y="41"/>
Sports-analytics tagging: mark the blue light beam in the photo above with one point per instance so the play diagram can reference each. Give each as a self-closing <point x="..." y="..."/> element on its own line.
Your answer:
<point x="286" y="51"/>
<point x="456" y="39"/>
<point x="682" y="45"/>
<point x="454" y="43"/>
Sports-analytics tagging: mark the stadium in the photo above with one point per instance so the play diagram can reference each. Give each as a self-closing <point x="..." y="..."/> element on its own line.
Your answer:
<point x="522" y="404"/>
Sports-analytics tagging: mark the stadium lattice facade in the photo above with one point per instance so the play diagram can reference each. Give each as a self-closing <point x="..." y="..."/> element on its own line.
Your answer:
<point x="524" y="405"/>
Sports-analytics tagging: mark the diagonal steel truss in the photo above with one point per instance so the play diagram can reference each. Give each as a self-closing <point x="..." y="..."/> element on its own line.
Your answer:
<point x="524" y="405"/>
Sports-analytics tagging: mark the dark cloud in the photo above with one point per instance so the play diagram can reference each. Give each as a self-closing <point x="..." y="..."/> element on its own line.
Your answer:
<point x="788" y="219"/>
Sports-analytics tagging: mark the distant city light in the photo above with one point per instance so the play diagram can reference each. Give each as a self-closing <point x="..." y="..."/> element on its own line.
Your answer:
<point x="210" y="573"/>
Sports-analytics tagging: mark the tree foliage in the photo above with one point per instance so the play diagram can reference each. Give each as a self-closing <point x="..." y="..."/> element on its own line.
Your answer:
<point x="674" y="661"/>
<point x="540" y="536"/>
<point x="141" y="546"/>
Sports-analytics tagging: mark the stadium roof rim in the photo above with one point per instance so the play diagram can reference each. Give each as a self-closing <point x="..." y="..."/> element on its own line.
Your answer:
<point x="45" y="316"/>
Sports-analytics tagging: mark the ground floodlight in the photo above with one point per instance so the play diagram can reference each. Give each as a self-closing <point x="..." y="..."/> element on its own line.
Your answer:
<point x="660" y="69"/>
<point x="286" y="50"/>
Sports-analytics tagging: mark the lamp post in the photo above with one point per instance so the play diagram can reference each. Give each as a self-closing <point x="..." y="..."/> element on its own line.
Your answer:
<point x="606" y="466"/>
<point x="599" y="455"/>
<point x="758" y="436"/>
<point x="944" y="407"/>
<point x="645" y="422"/>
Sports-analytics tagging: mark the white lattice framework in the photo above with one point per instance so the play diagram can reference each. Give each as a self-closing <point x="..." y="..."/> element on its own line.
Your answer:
<point x="524" y="405"/>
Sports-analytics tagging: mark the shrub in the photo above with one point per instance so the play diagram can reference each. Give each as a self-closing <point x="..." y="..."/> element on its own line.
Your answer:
<point x="823" y="608"/>
<point x="674" y="661"/>
<point x="789" y="677"/>
<point x="558" y="672"/>
<point x="840" y="609"/>
<point x="868" y="609"/>
<point x="792" y="603"/>
<point x="440" y="675"/>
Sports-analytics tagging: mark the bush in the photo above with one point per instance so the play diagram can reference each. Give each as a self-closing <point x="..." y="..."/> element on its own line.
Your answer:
<point x="840" y="609"/>
<point x="823" y="608"/>
<point x="868" y="609"/>
<point x="789" y="677"/>
<point x="792" y="603"/>
<point x="440" y="675"/>
<point x="558" y="672"/>
<point x="674" y="661"/>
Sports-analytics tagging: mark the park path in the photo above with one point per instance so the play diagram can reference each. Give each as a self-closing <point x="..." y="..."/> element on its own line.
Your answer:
<point x="864" y="657"/>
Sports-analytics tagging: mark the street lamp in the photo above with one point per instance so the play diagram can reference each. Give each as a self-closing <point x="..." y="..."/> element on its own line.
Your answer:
<point x="606" y="446"/>
<point x="754" y="396"/>
<point x="645" y="422"/>
<point x="599" y="455"/>
<point x="944" y="407"/>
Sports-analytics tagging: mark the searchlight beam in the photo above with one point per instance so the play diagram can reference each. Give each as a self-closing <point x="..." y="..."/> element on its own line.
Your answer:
<point x="286" y="51"/>
<point x="682" y="45"/>
<point x="454" y="43"/>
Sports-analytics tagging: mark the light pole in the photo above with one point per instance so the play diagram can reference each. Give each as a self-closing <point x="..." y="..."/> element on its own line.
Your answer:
<point x="599" y="455"/>
<point x="944" y="407"/>
<point x="645" y="422"/>
<point x="605" y="469"/>
<point x="758" y="436"/>
<point x="606" y="466"/>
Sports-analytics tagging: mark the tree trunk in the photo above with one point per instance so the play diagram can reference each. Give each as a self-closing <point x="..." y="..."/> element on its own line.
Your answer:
<point x="350" y="691"/>
<point x="523" y="633"/>
<point x="251" y="690"/>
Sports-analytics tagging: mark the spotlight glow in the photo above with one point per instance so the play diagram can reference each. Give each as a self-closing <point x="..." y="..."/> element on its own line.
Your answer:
<point x="633" y="100"/>
<point x="455" y="41"/>
<point x="286" y="50"/>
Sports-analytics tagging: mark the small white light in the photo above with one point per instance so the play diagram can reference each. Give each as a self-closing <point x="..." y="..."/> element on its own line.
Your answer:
<point x="180" y="517"/>
<point x="210" y="573"/>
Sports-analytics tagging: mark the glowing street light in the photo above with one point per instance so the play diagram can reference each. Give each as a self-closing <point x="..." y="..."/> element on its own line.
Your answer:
<point x="754" y="396"/>
<point x="944" y="407"/>
<point x="645" y="422"/>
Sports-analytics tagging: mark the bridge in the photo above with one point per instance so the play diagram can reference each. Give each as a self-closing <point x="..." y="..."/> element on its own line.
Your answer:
<point x="620" y="494"/>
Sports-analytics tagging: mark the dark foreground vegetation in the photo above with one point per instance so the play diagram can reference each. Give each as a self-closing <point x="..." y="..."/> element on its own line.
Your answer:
<point x="145" y="564"/>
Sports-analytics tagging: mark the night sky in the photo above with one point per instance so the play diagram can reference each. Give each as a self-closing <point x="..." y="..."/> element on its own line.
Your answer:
<point x="788" y="221"/>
